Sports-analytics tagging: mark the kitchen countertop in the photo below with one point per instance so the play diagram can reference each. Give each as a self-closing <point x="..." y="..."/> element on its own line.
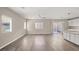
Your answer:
<point x="74" y="31"/>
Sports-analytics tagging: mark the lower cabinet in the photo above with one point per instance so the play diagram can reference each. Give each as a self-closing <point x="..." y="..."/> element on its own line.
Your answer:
<point x="77" y="39"/>
<point x="74" y="38"/>
<point x="65" y="35"/>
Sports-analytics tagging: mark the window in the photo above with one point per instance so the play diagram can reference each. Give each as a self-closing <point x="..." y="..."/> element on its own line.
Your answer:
<point x="6" y="23"/>
<point x="24" y="25"/>
<point x="39" y="25"/>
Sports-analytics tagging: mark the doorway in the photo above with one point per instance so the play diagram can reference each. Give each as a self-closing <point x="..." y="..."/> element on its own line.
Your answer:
<point x="58" y="27"/>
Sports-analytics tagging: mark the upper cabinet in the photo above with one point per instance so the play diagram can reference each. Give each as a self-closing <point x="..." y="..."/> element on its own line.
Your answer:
<point x="74" y="22"/>
<point x="73" y="25"/>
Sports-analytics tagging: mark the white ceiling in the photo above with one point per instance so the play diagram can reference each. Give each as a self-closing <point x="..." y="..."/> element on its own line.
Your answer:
<point x="47" y="12"/>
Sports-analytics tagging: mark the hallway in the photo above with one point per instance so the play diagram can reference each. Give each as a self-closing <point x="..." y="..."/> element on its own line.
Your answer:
<point x="53" y="42"/>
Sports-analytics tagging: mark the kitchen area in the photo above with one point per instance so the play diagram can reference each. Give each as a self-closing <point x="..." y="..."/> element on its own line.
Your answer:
<point x="71" y="34"/>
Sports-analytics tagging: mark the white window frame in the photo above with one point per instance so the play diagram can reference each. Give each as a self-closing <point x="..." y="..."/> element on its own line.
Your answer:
<point x="39" y="25"/>
<point x="25" y="25"/>
<point x="6" y="19"/>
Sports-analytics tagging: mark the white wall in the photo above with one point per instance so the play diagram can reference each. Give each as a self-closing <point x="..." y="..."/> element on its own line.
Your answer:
<point x="17" y="26"/>
<point x="47" y="24"/>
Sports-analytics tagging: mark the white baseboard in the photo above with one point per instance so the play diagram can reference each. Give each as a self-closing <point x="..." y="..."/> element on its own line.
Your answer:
<point x="11" y="41"/>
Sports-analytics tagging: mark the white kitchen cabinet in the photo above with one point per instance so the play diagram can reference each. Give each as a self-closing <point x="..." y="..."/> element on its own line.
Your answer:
<point x="73" y="31"/>
<point x="68" y="36"/>
<point x="76" y="39"/>
<point x="74" y="22"/>
<point x="71" y="37"/>
<point x="65" y="35"/>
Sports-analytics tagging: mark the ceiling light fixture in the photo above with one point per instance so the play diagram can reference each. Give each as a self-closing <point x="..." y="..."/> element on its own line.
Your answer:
<point x="41" y="16"/>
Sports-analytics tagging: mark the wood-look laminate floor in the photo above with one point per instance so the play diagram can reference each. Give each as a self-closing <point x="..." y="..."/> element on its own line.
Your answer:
<point x="53" y="42"/>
